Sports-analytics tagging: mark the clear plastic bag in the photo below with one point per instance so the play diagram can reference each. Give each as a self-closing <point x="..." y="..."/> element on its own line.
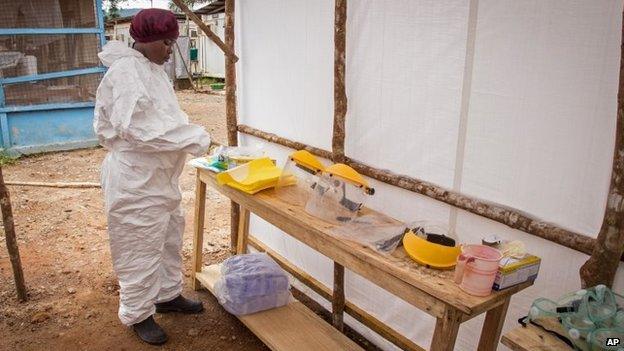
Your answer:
<point x="252" y="283"/>
<point x="375" y="232"/>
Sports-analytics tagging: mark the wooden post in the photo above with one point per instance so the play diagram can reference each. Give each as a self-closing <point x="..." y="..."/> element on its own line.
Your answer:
<point x="604" y="260"/>
<point x="229" y="52"/>
<point x="445" y="333"/>
<point x="340" y="94"/>
<point x="11" y="240"/>
<point x="492" y="327"/>
<point x="338" y="297"/>
<point x="243" y="231"/>
<point x="230" y="110"/>
<point x="198" y="230"/>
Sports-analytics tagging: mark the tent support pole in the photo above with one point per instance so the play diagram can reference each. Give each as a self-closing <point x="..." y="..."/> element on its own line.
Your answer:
<point x="340" y="94"/>
<point x="512" y="218"/>
<point x="230" y="110"/>
<point x="11" y="240"/>
<point x="601" y="267"/>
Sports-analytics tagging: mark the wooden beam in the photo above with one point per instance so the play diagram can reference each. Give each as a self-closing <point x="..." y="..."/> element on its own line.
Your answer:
<point x="340" y="94"/>
<point x="228" y="51"/>
<point x="283" y="141"/>
<point x="603" y="263"/>
<point x="11" y="240"/>
<point x="231" y="113"/>
<point x="338" y="297"/>
<point x="512" y="218"/>
<point x="353" y="310"/>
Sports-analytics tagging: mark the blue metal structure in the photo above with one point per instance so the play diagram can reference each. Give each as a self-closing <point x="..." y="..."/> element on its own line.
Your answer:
<point x="32" y="128"/>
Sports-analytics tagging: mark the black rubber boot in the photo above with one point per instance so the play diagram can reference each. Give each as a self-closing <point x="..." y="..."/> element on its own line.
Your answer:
<point x="150" y="332"/>
<point x="180" y="304"/>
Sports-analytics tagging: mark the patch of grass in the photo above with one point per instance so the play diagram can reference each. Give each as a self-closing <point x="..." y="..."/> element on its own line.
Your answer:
<point x="6" y="159"/>
<point x="209" y="80"/>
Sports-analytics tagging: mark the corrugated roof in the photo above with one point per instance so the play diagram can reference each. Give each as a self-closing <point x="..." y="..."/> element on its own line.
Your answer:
<point x="216" y="6"/>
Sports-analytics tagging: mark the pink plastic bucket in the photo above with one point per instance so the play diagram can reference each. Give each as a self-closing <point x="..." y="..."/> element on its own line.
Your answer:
<point x="476" y="269"/>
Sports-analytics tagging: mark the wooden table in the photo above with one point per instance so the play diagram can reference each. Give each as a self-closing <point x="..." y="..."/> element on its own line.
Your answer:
<point x="432" y="291"/>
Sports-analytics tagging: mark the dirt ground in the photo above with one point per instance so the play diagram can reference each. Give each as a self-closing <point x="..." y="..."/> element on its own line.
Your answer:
<point x="66" y="259"/>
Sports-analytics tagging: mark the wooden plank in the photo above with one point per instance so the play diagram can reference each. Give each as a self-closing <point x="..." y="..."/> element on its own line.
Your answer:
<point x="198" y="230"/>
<point x="492" y="327"/>
<point x="533" y="338"/>
<point x="77" y="185"/>
<point x="445" y="333"/>
<point x="215" y="38"/>
<point x="428" y="289"/>
<point x="243" y="231"/>
<point x="353" y="310"/>
<point x="338" y="298"/>
<point x="292" y="327"/>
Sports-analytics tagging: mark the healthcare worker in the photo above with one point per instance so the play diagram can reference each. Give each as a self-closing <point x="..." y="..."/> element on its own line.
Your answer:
<point x="139" y="121"/>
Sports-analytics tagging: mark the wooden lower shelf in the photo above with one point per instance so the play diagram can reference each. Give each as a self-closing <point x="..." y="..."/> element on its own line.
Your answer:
<point x="532" y="338"/>
<point x="292" y="327"/>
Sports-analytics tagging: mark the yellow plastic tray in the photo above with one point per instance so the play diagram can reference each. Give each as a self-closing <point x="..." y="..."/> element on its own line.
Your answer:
<point x="251" y="177"/>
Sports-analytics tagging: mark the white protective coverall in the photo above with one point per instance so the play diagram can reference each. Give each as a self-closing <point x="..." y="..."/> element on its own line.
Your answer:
<point x="138" y="119"/>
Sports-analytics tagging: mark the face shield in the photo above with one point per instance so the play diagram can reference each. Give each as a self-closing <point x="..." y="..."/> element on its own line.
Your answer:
<point x="338" y="195"/>
<point x="301" y="172"/>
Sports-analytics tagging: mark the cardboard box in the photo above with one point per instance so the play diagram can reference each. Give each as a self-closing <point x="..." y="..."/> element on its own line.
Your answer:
<point x="513" y="271"/>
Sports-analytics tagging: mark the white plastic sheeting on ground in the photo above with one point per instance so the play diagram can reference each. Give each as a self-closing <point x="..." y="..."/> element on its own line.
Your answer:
<point x="512" y="102"/>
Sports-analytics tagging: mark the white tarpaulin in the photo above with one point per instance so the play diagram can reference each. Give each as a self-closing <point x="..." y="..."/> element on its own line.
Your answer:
<point x="508" y="101"/>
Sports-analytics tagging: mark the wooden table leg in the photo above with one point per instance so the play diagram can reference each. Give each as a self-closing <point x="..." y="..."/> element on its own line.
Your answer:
<point x="243" y="231"/>
<point x="198" y="230"/>
<point x="234" y="221"/>
<point x="446" y="330"/>
<point x="338" y="297"/>
<point x="492" y="327"/>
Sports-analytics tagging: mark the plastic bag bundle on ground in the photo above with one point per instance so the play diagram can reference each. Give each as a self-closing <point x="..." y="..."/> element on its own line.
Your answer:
<point x="252" y="283"/>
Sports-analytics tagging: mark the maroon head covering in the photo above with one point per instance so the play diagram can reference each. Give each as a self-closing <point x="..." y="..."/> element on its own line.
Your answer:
<point x="154" y="24"/>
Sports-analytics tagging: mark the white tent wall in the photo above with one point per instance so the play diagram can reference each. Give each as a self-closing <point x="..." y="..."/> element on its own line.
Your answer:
<point x="538" y="119"/>
<point x="542" y="108"/>
<point x="287" y="80"/>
